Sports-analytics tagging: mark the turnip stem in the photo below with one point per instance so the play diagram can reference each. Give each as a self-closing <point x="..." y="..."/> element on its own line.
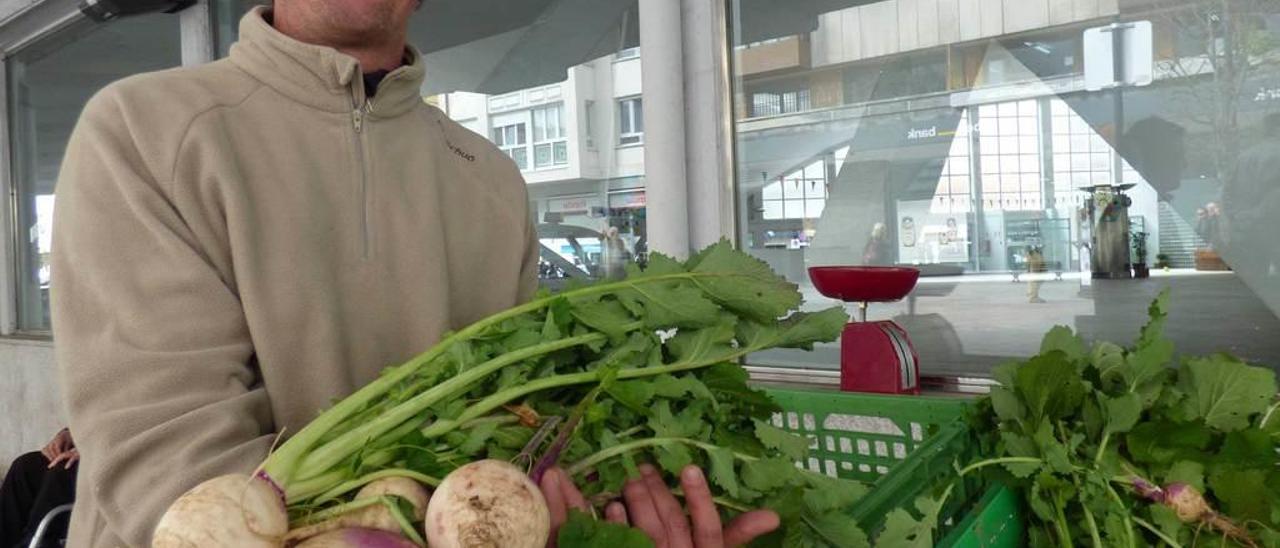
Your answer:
<point x="352" y="485"/>
<point x="335" y="511"/>
<point x="1153" y="530"/>
<point x="498" y="399"/>
<point x="1102" y="448"/>
<point x="1093" y="527"/>
<point x="406" y="524"/>
<point x="1266" y="417"/>
<point x="1128" y="522"/>
<point x="333" y="452"/>
<point x="618" y="450"/>
<point x="632" y="431"/>
<point x="282" y="465"/>
<point x="720" y="501"/>
<point x="1064" y="531"/>
<point x="1003" y="460"/>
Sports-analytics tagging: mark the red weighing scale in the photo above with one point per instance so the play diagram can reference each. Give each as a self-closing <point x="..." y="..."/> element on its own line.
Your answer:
<point x="874" y="356"/>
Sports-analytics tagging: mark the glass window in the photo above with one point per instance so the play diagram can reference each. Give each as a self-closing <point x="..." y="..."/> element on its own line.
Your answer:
<point x="226" y="21"/>
<point x="512" y="139"/>
<point x="550" y="147"/>
<point x="984" y="163"/>
<point x="631" y="121"/>
<point x="49" y="83"/>
<point x="589" y="200"/>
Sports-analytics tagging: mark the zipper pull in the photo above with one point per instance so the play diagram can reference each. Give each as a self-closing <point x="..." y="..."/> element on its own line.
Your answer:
<point x="360" y="114"/>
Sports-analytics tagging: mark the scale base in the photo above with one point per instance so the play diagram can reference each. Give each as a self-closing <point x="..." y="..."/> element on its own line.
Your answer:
<point x="878" y="357"/>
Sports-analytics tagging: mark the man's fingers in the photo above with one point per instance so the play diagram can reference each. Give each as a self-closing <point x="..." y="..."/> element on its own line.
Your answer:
<point x="616" y="512"/>
<point x="554" y="493"/>
<point x="642" y="512"/>
<point x="57" y="460"/>
<point x="702" y="509"/>
<point x="572" y="496"/>
<point x="73" y="459"/>
<point x="746" y="527"/>
<point x="669" y="509"/>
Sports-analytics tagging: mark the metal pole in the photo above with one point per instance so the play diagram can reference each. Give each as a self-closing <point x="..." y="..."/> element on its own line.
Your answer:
<point x="1118" y="62"/>
<point x="196" y="23"/>
<point x="662" y="91"/>
<point x="709" y="129"/>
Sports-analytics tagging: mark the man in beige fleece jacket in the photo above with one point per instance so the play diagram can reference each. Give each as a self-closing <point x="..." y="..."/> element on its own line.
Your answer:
<point x="241" y="243"/>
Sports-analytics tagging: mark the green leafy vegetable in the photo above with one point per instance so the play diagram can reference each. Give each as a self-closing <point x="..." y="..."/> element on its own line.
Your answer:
<point x="638" y="370"/>
<point x="1087" y="433"/>
<point x="1225" y="392"/>
<point x="583" y="531"/>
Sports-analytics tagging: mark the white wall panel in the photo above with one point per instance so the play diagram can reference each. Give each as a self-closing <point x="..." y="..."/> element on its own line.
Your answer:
<point x="908" y="24"/>
<point x="1085" y="9"/>
<point x="851" y="24"/>
<point x="927" y="23"/>
<point x="970" y="19"/>
<point x="1062" y="11"/>
<point x="949" y="21"/>
<point x="1021" y="15"/>
<point x="992" y="17"/>
<point x="879" y="28"/>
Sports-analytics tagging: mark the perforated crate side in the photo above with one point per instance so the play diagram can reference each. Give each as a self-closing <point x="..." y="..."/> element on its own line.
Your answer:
<point x="862" y="436"/>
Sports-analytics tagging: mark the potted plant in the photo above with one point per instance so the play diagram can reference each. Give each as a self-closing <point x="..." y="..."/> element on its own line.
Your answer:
<point x="1140" y="269"/>
<point x="1163" y="261"/>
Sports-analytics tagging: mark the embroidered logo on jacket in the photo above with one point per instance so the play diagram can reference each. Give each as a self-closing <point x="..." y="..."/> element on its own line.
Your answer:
<point x="461" y="153"/>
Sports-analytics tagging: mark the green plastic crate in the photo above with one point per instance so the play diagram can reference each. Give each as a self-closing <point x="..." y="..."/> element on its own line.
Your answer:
<point x="905" y="446"/>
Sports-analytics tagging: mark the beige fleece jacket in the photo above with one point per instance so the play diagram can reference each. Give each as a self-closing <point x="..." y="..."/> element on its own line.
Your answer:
<point x="239" y="244"/>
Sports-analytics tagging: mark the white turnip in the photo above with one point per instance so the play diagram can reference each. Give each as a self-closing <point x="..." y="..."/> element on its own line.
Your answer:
<point x="1191" y="507"/>
<point x="233" y="511"/>
<point x="374" y="516"/>
<point x="489" y="503"/>
<point x="357" y="538"/>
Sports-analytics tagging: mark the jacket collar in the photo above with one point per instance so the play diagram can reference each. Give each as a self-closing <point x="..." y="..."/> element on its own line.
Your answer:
<point x="320" y="76"/>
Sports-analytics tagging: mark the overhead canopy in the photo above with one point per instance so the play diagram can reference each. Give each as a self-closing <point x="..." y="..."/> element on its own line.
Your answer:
<point x="759" y="20"/>
<point x="498" y="46"/>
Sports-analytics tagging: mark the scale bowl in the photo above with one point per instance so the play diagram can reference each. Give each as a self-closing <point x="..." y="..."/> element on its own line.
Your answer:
<point x="864" y="284"/>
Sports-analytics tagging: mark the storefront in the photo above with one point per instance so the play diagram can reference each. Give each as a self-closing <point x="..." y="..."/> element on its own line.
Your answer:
<point x="963" y="142"/>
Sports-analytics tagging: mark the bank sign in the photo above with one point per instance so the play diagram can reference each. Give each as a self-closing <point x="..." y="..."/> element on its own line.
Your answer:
<point x="932" y="127"/>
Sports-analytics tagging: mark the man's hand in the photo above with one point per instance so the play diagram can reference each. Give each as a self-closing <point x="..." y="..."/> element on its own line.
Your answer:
<point x="561" y="495"/>
<point x="651" y="507"/>
<point x="70" y="458"/>
<point x="59" y="445"/>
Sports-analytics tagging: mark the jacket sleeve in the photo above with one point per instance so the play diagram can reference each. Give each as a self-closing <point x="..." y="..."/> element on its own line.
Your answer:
<point x="152" y="347"/>
<point x="529" y="273"/>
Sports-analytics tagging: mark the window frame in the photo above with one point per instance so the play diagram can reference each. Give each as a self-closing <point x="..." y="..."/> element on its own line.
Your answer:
<point x="44" y="20"/>
<point x="521" y="132"/>
<point x="630" y="116"/>
<point x="561" y="139"/>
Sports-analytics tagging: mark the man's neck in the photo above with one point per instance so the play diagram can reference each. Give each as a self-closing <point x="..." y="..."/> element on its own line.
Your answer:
<point x="373" y="59"/>
<point x="383" y="55"/>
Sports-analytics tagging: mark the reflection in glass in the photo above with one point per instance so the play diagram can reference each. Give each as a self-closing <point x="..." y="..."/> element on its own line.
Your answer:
<point x="540" y="101"/>
<point x="49" y="83"/>
<point x="964" y="142"/>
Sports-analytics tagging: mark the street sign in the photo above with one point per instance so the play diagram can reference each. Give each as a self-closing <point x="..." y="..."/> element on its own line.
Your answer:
<point x="1136" y="56"/>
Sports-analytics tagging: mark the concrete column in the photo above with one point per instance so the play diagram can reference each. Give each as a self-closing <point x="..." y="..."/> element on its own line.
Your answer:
<point x="708" y="122"/>
<point x="662" y="64"/>
<point x="196" y="23"/>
